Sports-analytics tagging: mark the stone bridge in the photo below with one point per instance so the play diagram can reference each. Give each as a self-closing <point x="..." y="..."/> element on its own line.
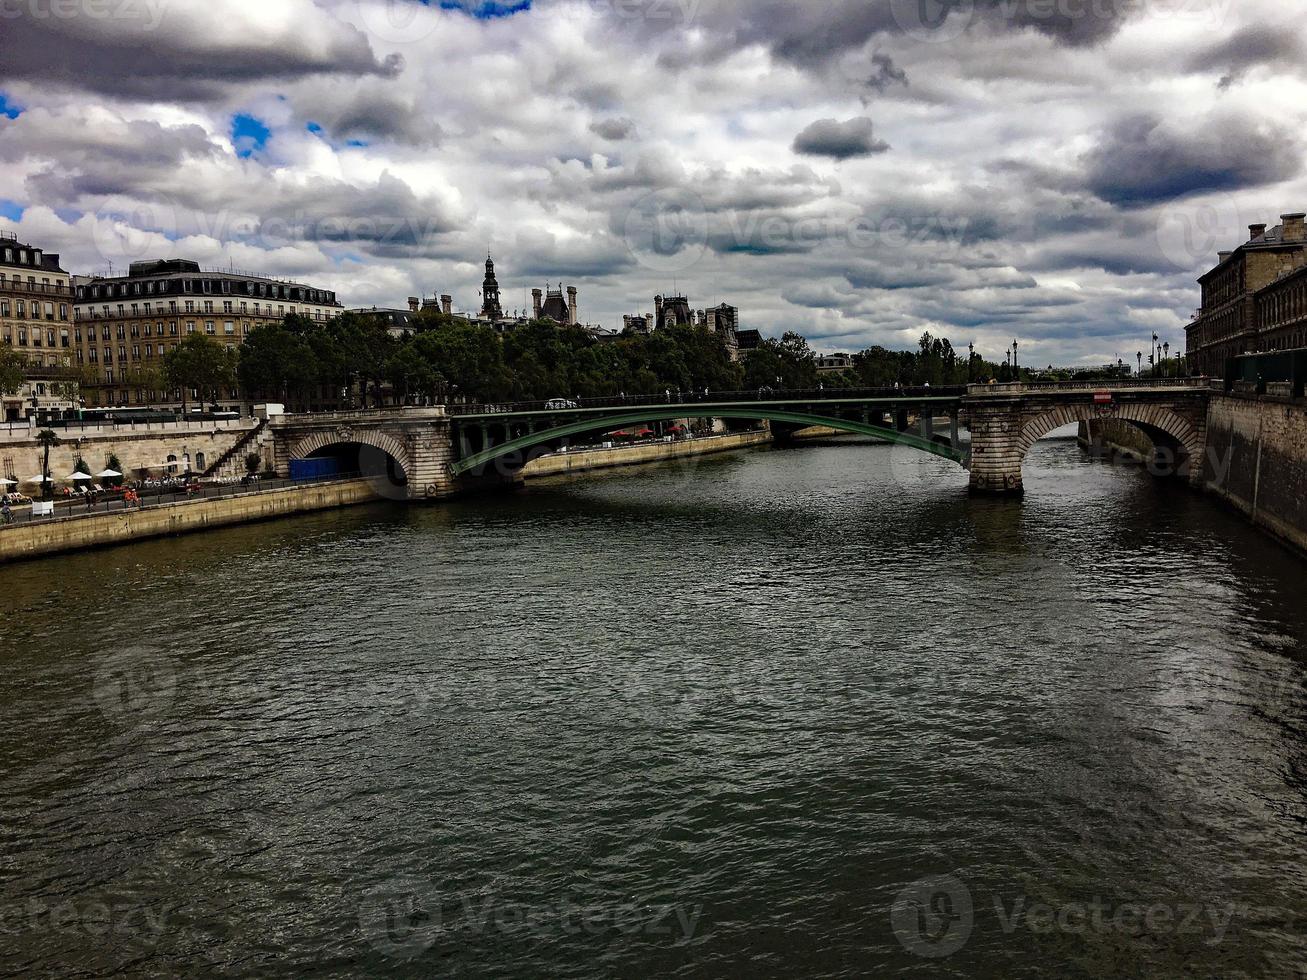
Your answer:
<point x="431" y="453"/>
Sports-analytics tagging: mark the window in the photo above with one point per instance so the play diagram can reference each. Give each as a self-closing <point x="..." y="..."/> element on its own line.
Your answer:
<point x="209" y="328"/>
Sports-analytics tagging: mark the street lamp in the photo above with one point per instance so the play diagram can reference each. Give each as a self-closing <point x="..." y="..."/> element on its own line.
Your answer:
<point x="1015" y="345"/>
<point x="1140" y="356"/>
<point x="971" y="361"/>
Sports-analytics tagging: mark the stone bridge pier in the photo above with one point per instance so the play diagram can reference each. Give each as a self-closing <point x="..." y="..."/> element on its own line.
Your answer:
<point x="405" y="452"/>
<point x="1006" y="420"/>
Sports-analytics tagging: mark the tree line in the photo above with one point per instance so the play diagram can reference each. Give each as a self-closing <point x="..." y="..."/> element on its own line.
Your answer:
<point x="354" y="360"/>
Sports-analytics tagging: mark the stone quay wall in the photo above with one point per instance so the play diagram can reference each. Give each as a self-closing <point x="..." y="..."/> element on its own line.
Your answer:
<point x="78" y="533"/>
<point x="135" y="446"/>
<point x="557" y="464"/>
<point x="1257" y="461"/>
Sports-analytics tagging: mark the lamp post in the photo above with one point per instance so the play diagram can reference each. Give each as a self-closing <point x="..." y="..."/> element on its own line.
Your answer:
<point x="971" y="361"/>
<point x="1166" y="350"/>
<point x="1140" y="356"/>
<point x="1015" y="345"/>
<point x="1155" y="353"/>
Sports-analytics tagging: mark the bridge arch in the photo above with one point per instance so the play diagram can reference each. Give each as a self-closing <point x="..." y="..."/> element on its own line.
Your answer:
<point x="519" y="448"/>
<point x="1178" y="440"/>
<point x="378" y="454"/>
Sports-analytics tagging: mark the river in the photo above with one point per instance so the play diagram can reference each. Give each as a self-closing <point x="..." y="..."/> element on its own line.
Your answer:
<point x="808" y="711"/>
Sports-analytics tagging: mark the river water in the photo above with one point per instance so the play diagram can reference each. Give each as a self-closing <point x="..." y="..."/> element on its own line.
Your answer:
<point x="784" y="712"/>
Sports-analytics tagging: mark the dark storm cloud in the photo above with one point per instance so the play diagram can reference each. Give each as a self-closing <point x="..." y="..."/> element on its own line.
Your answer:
<point x="1078" y="23"/>
<point x="839" y="140"/>
<point x="1244" y="50"/>
<point x="377" y="111"/>
<point x="1142" y="161"/>
<point x="157" y="50"/>
<point x="614" y="129"/>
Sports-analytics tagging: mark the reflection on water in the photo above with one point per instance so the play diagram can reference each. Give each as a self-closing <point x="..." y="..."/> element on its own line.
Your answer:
<point x="792" y="711"/>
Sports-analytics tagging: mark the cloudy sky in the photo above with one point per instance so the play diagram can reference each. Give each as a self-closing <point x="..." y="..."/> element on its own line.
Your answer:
<point x="1057" y="171"/>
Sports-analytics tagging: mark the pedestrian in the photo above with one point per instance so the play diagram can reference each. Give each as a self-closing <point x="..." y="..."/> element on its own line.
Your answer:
<point x="668" y="393"/>
<point x="6" y="513"/>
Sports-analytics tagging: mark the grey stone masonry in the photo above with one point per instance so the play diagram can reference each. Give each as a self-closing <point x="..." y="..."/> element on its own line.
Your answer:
<point x="1006" y="420"/>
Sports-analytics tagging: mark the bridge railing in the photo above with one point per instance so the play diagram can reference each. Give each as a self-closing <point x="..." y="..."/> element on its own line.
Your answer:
<point x="1129" y="384"/>
<point x="708" y="397"/>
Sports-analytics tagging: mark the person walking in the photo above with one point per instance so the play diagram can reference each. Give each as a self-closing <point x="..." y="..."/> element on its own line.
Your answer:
<point x="6" y="513"/>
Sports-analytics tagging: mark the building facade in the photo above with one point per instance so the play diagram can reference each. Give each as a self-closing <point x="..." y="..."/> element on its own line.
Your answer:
<point x="124" y="325"/>
<point x="834" y="363"/>
<point x="1233" y="319"/>
<point x="36" y="320"/>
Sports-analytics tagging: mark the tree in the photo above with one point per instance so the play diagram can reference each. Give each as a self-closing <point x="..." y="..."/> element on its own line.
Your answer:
<point x="199" y="362"/>
<point x="47" y="440"/>
<point x="11" y="370"/>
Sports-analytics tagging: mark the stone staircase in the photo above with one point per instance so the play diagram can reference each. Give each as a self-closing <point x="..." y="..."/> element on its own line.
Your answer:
<point x="231" y="464"/>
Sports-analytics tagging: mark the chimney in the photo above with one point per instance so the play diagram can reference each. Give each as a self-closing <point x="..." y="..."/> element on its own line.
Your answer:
<point x="1222" y="256"/>
<point x="447" y="304"/>
<point x="1294" y="229"/>
<point x="1256" y="231"/>
<point x="413" y="303"/>
<point x="537" y="302"/>
<point x="571" y="304"/>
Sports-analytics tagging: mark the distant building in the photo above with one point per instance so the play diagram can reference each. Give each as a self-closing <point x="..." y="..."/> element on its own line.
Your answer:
<point x="748" y="340"/>
<point x="124" y="325"/>
<point x="491" y="309"/>
<point x="550" y="304"/>
<point x="637" y="324"/>
<point x="724" y="321"/>
<point x="398" y="322"/>
<point x="36" y="321"/>
<point x="834" y="363"/>
<point x="1247" y="297"/>
<point x="674" y="311"/>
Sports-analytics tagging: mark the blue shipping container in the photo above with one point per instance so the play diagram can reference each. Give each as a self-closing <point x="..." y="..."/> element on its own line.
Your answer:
<point x="313" y="469"/>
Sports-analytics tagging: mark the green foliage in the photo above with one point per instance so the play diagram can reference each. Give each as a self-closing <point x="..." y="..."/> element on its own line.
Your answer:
<point x="116" y="464"/>
<point x="11" y="370"/>
<point x="199" y="362"/>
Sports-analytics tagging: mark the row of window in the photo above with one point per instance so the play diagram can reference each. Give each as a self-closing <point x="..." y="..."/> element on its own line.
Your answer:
<point x="1282" y="306"/>
<point x="31" y="285"/>
<point x="18" y="337"/>
<point x="21" y="256"/>
<point x="164" y="287"/>
<point x="188" y="306"/>
<point x="20" y="309"/>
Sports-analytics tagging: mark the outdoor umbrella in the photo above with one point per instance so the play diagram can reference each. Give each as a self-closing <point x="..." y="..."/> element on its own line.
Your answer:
<point x="39" y="479"/>
<point x="108" y="475"/>
<point x="8" y="483"/>
<point x="79" y="475"/>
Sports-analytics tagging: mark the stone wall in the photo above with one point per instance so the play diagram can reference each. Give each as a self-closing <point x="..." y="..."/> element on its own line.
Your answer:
<point x="97" y="530"/>
<point x="597" y="459"/>
<point x="1117" y="437"/>
<point x="1257" y="461"/>
<point x="144" y="445"/>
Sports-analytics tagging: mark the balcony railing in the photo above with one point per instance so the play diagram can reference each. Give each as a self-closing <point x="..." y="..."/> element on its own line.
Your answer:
<point x="41" y="288"/>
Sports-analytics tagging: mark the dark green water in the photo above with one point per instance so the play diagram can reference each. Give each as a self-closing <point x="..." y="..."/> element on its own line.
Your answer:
<point x="810" y="712"/>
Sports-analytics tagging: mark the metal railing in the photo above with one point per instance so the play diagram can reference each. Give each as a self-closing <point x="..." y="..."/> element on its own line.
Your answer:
<point x="709" y="398"/>
<point x="1103" y="384"/>
<point x="165" y="494"/>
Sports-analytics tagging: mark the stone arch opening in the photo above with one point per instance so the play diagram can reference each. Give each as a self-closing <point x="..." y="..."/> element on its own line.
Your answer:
<point x="376" y="456"/>
<point x="1176" y="443"/>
